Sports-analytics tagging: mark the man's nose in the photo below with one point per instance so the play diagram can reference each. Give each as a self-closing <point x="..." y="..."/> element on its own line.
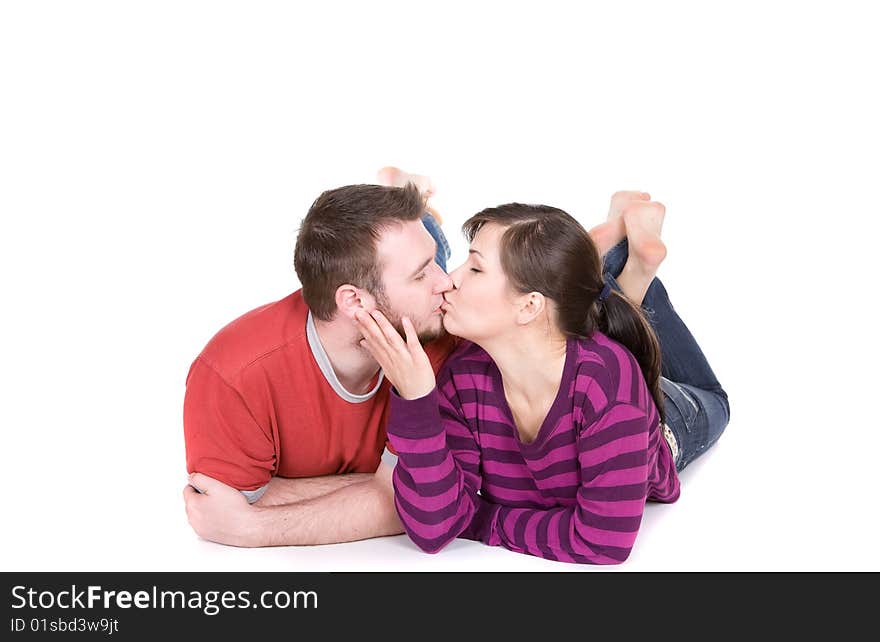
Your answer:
<point x="444" y="283"/>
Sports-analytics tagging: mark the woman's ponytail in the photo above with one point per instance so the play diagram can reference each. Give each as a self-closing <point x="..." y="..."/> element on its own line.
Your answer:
<point x="620" y="319"/>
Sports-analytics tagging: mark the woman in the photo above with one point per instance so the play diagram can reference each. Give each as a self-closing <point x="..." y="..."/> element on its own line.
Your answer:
<point x="546" y="429"/>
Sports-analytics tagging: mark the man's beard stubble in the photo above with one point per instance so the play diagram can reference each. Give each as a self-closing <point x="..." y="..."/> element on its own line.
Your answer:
<point x="425" y="335"/>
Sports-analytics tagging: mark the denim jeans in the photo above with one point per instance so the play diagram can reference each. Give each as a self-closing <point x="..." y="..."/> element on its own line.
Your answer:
<point x="443" y="250"/>
<point x="696" y="406"/>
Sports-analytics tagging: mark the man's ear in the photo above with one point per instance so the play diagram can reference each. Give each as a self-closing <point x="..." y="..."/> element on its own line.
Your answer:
<point x="350" y="299"/>
<point x="531" y="306"/>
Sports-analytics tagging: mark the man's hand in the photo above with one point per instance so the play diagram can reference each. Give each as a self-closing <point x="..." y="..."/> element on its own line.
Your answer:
<point x="221" y="514"/>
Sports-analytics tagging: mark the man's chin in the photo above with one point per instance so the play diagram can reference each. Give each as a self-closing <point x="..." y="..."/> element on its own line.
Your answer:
<point x="426" y="334"/>
<point x="432" y="334"/>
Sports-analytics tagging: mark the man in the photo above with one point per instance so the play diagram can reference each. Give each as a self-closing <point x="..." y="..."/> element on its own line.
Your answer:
<point x="284" y="412"/>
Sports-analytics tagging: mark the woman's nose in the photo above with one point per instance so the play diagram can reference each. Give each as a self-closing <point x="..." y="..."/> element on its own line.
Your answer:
<point x="454" y="278"/>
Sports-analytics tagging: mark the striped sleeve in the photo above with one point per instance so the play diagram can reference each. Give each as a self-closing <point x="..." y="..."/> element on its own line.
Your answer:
<point x="437" y="473"/>
<point x="601" y="527"/>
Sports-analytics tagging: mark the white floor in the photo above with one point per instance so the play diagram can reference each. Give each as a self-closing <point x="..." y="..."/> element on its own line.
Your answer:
<point x="155" y="170"/>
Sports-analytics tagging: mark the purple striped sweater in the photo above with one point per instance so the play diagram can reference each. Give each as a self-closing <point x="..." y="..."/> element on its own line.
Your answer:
<point x="575" y="494"/>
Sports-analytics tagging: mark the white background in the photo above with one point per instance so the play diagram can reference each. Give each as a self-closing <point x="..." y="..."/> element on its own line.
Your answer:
<point x="156" y="160"/>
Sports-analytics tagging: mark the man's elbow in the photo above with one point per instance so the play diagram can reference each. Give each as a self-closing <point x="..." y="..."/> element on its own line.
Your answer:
<point x="382" y="506"/>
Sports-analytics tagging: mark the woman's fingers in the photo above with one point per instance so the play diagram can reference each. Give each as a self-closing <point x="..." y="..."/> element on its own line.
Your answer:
<point x="370" y="327"/>
<point x="388" y="330"/>
<point x="375" y="340"/>
<point x="405" y="363"/>
<point x="395" y="344"/>
<point x="412" y="339"/>
<point x="383" y="341"/>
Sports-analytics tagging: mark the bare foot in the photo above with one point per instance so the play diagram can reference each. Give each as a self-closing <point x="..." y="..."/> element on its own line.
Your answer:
<point x="608" y="234"/>
<point x="396" y="177"/>
<point x="643" y="222"/>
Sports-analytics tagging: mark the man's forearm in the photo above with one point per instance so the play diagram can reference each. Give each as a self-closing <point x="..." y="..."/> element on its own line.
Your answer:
<point x="356" y="511"/>
<point x="282" y="490"/>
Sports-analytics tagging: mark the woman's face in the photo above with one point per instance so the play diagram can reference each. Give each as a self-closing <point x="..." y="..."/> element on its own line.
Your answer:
<point x="482" y="304"/>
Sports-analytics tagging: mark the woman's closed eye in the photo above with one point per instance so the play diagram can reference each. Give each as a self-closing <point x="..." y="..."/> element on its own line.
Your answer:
<point x="475" y="270"/>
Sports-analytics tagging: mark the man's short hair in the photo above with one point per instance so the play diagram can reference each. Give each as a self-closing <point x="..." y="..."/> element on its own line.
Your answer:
<point x="337" y="240"/>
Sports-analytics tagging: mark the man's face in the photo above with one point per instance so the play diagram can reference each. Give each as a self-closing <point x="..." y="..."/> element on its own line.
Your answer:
<point x="413" y="282"/>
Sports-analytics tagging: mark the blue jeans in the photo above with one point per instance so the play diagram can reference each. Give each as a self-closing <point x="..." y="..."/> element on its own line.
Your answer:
<point x="443" y="251"/>
<point x="697" y="409"/>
